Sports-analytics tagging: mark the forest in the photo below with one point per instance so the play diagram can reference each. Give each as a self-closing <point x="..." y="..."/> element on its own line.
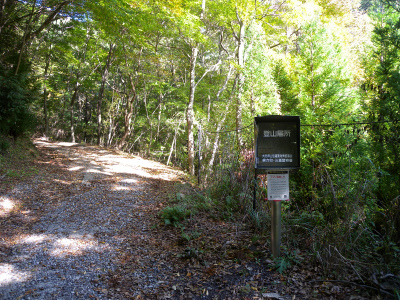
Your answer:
<point x="180" y="81"/>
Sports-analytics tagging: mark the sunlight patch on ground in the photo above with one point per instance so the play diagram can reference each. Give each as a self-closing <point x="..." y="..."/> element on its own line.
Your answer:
<point x="75" y="246"/>
<point x="121" y="188"/>
<point x="75" y="168"/>
<point x="138" y="166"/>
<point x="65" y="144"/>
<point x="129" y="180"/>
<point x="127" y="184"/>
<point x="62" y="181"/>
<point x="125" y="169"/>
<point x="6" y="206"/>
<point x="34" y="238"/>
<point x="97" y="171"/>
<point x="53" y="145"/>
<point x="9" y="275"/>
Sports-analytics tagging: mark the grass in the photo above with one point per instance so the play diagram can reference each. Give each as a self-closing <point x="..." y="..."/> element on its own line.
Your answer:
<point x="17" y="161"/>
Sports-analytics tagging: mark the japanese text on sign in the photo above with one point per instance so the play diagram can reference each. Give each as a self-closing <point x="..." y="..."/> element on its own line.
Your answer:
<point x="278" y="158"/>
<point x="277" y="142"/>
<point x="276" y="133"/>
<point x="278" y="187"/>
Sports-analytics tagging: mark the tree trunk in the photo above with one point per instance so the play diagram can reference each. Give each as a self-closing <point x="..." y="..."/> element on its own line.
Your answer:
<point x="24" y="39"/>
<point x="127" y="121"/>
<point x="148" y="118"/>
<point x="252" y="104"/>
<point x="87" y="113"/>
<point x="112" y="126"/>
<point x="2" y="11"/>
<point x="129" y="104"/>
<point x="173" y="144"/>
<point x="222" y="120"/>
<point x="190" y="111"/>
<point x="240" y="81"/>
<point x="161" y="98"/>
<point x="73" y="99"/>
<point x="101" y="92"/>
<point x="45" y="94"/>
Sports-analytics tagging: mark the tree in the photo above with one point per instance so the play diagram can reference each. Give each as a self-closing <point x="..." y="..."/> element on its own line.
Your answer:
<point x="321" y="78"/>
<point x="381" y="93"/>
<point x="104" y="77"/>
<point x="238" y="17"/>
<point x="21" y="23"/>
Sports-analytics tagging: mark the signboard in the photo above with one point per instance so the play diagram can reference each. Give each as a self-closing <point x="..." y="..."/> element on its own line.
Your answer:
<point x="278" y="187"/>
<point x="277" y="142"/>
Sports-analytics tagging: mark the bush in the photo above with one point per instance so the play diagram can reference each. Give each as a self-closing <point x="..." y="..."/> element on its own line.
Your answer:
<point x="175" y="214"/>
<point x="17" y="92"/>
<point x="4" y="144"/>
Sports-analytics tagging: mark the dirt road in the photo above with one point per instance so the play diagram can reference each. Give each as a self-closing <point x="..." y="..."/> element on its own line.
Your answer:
<point x="64" y="231"/>
<point x="87" y="227"/>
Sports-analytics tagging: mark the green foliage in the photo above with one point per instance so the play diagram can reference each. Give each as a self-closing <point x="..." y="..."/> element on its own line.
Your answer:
<point x="191" y="252"/>
<point x="318" y="87"/>
<point x="286" y="260"/>
<point x="226" y="196"/>
<point x="261" y="220"/>
<point x="191" y="235"/>
<point x="4" y="144"/>
<point x="295" y="62"/>
<point x="286" y="88"/>
<point x="175" y="214"/>
<point x="381" y="94"/>
<point x="17" y="92"/>
<point x="16" y="162"/>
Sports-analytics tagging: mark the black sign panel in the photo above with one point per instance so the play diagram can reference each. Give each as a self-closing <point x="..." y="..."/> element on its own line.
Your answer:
<point x="277" y="142"/>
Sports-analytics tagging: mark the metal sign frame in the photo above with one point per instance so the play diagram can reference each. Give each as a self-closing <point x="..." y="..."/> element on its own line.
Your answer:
<point x="277" y="150"/>
<point x="277" y="142"/>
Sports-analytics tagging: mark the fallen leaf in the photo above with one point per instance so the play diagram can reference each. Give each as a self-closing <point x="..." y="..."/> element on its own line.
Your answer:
<point x="273" y="296"/>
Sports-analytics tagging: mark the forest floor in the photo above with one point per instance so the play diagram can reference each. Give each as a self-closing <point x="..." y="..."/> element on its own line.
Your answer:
<point x="83" y="223"/>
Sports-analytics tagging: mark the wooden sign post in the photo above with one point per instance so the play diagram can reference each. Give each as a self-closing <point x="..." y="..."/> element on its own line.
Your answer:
<point x="277" y="150"/>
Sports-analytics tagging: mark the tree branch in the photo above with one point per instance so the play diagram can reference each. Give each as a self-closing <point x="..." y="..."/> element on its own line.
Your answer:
<point x="212" y="68"/>
<point x="50" y="18"/>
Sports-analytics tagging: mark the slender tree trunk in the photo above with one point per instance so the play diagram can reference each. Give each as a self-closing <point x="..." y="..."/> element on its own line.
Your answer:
<point x="72" y="105"/>
<point x="222" y="120"/>
<point x="252" y="104"/>
<point x="45" y="95"/>
<point x="240" y="80"/>
<point x="173" y="144"/>
<point x="24" y="39"/>
<point x="101" y="91"/>
<point x="127" y="121"/>
<point x="190" y="111"/>
<point x="46" y="118"/>
<point x="112" y="127"/>
<point x="312" y="80"/>
<point x="87" y="116"/>
<point x="148" y="118"/>
<point x="129" y="105"/>
<point x="161" y="98"/>
<point x="209" y="108"/>
<point x="2" y="10"/>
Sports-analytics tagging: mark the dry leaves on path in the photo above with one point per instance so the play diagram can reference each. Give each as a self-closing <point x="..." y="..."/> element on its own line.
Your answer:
<point x="87" y="226"/>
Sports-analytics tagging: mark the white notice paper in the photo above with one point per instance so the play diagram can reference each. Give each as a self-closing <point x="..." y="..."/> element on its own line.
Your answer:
<point x="278" y="187"/>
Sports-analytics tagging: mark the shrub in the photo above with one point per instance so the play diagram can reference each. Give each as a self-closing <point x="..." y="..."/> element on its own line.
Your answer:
<point x="175" y="214"/>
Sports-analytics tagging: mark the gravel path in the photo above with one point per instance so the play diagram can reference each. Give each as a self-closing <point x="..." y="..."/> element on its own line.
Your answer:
<point x="87" y="227"/>
<point x="70" y="233"/>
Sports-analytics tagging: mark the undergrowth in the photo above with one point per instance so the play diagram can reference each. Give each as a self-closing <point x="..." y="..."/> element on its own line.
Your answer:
<point x="16" y="159"/>
<point x="341" y="225"/>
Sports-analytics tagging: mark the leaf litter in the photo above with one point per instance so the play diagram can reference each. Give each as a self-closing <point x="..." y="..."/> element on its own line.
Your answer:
<point x="87" y="227"/>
